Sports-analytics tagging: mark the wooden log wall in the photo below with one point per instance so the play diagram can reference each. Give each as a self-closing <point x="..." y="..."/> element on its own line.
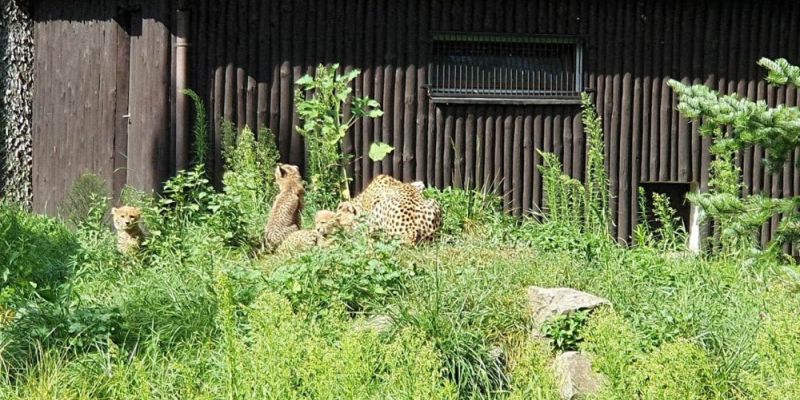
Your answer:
<point x="90" y="73"/>
<point x="246" y="54"/>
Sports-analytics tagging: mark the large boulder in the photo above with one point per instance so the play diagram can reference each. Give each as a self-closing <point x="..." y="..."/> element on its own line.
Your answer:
<point x="575" y="377"/>
<point x="546" y="303"/>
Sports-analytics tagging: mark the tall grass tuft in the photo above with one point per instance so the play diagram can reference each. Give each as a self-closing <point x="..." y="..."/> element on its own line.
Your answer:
<point x="598" y="214"/>
<point x="199" y="127"/>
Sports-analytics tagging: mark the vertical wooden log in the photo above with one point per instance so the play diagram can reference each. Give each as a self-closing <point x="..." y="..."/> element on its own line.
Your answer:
<point x="219" y="90"/>
<point x="229" y="93"/>
<point x="508" y="137"/>
<point x="458" y="149"/>
<point x="499" y="136"/>
<point x="469" y="149"/>
<point x="700" y="16"/>
<point x="647" y="45"/>
<point x="275" y="65"/>
<point x="677" y="53"/>
<point x="614" y="150"/>
<point x="359" y="150"/>
<point x="447" y="161"/>
<point x="397" y="121"/>
<point x="516" y="166"/>
<point x="239" y="40"/>
<point x="388" y="113"/>
<point x="409" y="38"/>
<point x="345" y="46"/>
<point x="665" y="115"/>
<point x="440" y="148"/>
<point x="579" y="148"/>
<point x="488" y="152"/>
<point x="409" y="124"/>
<point x="636" y="123"/>
<point x="419" y="55"/>
<point x="538" y="144"/>
<point x="527" y="160"/>
<point x="567" y="143"/>
<point x="684" y="138"/>
<point x="377" y="134"/>
<point x="431" y="155"/>
<point x="480" y="148"/>
<point x="558" y="135"/>
<point x="251" y="30"/>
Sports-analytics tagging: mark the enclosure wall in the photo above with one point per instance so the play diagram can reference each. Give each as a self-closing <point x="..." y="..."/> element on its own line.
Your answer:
<point x="245" y="56"/>
<point x="101" y="95"/>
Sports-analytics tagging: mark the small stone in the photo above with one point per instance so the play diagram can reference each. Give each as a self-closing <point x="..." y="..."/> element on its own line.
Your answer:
<point x="498" y="355"/>
<point x="546" y="303"/>
<point x="377" y="323"/>
<point x="575" y="377"/>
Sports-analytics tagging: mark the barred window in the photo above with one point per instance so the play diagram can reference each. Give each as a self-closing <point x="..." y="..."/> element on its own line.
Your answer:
<point x="470" y="65"/>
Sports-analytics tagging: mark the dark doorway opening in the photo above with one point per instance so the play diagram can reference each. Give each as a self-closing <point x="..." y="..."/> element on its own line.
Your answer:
<point x="676" y="192"/>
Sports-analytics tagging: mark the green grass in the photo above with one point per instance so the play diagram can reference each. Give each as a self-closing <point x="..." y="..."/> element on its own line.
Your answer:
<point x="199" y="316"/>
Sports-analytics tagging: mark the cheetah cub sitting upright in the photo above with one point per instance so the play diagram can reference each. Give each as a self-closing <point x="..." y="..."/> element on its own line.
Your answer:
<point x="129" y="233"/>
<point x="284" y="218"/>
<point x="326" y="224"/>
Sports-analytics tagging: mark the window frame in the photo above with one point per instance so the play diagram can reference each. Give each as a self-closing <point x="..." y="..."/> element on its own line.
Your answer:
<point x="578" y="41"/>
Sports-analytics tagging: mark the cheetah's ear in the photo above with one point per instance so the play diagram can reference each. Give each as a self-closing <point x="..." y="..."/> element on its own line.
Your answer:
<point x="114" y="211"/>
<point x="346" y="207"/>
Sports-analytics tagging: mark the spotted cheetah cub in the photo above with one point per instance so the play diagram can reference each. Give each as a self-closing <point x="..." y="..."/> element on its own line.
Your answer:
<point x="129" y="233"/>
<point x="326" y="224"/>
<point x="284" y="218"/>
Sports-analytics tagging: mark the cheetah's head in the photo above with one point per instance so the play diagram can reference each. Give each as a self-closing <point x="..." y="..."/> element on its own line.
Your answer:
<point x="126" y="217"/>
<point x="288" y="177"/>
<point x="346" y="214"/>
<point x="326" y="222"/>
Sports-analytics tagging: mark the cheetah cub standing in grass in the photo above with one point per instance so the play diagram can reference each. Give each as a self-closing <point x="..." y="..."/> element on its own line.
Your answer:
<point x="129" y="233"/>
<point x="284" y="218"/>
<point x="326" y="224"/>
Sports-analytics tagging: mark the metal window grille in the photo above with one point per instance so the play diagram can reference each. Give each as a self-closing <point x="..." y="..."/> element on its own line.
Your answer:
<point x="485" y="65"/>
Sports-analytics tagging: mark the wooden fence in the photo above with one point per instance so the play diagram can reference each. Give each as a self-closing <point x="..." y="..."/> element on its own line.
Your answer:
<point x="244" y="56"/>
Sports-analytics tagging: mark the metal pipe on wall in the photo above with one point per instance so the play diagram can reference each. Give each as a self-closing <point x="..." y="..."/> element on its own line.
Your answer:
<point x="181" y="71"/>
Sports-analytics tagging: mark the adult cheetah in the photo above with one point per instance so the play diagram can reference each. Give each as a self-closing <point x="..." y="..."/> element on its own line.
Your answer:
<point x="396" y="208"/>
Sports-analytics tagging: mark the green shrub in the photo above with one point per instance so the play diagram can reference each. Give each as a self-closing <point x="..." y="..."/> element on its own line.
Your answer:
<point x="465" y="304"/>
<point x="471" y="213"/>
<point x="531" y="372"/>
<point x="279" y="355"/>
<point x="776" y="372"/>
<point x="248" y="183"/>
<point x="87" y="202"/>
<point x="565" y="330"/>
<point x="733" y="124"/>
<point x="678" y="370"/>
<point x="357" y="272"/>
<point x="34" y="256"/>
<point x="320" y="102"/>
<point x="616" y="346"/>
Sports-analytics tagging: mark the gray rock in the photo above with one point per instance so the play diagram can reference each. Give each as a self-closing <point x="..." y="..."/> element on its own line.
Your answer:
<point x="575" y="377"/>
<point x="377" y="323"/>
<point x="545" y="303"/>
<point x="498" y="356"/>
